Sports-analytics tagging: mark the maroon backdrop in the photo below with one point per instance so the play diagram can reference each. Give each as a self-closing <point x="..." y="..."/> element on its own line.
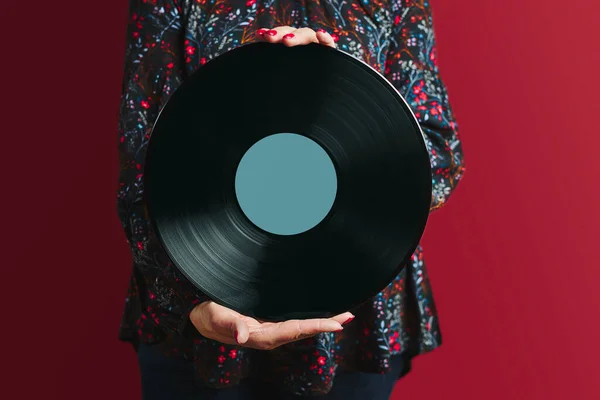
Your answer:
<point x="512" y="258"/>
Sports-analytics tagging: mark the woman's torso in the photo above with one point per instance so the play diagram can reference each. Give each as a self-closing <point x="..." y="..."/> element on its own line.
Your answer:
<point x="199" y="31"/>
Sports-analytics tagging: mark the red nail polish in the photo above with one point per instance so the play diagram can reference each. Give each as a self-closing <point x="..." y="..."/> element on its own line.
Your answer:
<point x="288" y="36"/>
<point x="321" y="30"/>
<point x="271" y="32"/>
<point x="348" y="320"/>
<point x="261" y="32"/>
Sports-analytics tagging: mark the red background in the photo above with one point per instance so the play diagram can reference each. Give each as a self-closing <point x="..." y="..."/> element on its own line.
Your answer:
<point x="513" y="258"/>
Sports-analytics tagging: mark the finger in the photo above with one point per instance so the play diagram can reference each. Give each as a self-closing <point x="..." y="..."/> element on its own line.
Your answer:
<point x="237" y="333"/>
<point x="241" y="332"/>
<point x="343" y="318"/>
<point x="310" y="327"/>
<point x="325" y="38"/>
<point x="276" y="335"/>
<point x="299" y="37"/>
<point x="260" y="33"/>
<point x="229" y="324"/>
<point x="276" y="34"/>
<point x="219" y="323"/>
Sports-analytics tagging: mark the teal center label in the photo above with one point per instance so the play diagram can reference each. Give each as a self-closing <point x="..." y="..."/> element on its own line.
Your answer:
<point x="286" y="184"/>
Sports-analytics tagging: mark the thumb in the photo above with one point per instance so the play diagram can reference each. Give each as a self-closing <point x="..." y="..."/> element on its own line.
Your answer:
<point x="240" y="332"/>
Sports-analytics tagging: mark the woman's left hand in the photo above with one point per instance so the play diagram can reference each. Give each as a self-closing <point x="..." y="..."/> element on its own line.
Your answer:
<point x="295" y="37"/>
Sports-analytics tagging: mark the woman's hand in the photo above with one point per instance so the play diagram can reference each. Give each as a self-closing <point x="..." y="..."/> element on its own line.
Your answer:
<point x="227" y="326"/>
<point x="295" y="37"/>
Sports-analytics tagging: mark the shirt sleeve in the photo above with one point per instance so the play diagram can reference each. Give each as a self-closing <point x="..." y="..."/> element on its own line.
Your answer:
<point x="153" y="69"/>
<point x="155" y="61"/>
<point x="411" y="66"/>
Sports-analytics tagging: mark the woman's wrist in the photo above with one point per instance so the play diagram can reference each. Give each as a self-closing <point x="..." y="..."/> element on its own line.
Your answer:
<point x="186" y="327"/>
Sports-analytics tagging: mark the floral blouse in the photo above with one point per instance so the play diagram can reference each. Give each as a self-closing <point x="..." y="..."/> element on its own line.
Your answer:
<point x="167" y="40"/>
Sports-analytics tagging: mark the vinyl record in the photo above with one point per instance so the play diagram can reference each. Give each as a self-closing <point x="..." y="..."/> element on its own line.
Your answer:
<point x="373" y="204"/>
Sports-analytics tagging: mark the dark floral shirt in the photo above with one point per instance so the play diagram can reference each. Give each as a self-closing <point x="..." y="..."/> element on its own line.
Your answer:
<point x="167" y="40"/>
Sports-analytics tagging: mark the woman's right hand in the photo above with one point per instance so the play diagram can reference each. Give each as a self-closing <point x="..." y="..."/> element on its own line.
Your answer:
<point x="227" y="326"/>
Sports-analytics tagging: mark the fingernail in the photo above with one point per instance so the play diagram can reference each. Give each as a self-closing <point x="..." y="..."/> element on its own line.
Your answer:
<point x="321" y="30"/>
<point x="271" y="32"/>
<point x="288" y="36"/>
<point x="349" y="320"/>
<point x="261" y="32"/>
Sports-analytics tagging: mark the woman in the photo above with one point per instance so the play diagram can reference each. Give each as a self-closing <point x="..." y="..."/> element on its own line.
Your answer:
<point x="189" y="347"/>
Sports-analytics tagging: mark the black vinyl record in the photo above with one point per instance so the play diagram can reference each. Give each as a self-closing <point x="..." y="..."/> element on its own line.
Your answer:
<point x="354" y="114"/>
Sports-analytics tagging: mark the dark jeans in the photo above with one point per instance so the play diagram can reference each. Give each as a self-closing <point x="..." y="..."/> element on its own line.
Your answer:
<point x="165" y="378"/>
